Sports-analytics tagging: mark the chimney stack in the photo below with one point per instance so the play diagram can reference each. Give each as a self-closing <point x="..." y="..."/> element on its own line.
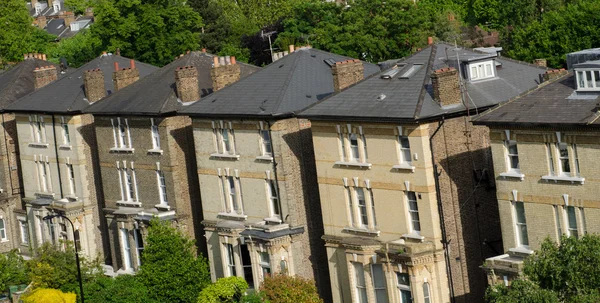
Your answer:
<point x="540" y="62"/>
<point x="125" y="76"/>
<point x="186" y="82"/>
<point x="291" y="48"/>
<point x="33" y="3"/>
<point x="42" y="21"/>
<point x="44" y="75"/>
<point x="446" y="90"/>
<point x="347" y="73"/>
<point x="93" y="82"/>
<point x="68" y="17"/>
<point x="224" y="74"/>
<point x="89" y="12"/>
<point x="553" y="74"/>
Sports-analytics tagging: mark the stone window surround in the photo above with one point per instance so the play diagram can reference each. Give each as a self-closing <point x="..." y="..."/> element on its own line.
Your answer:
<point x="219" y="127"/>
<point x="38" y="131"/>
<point x="70" y="171"/>
<point x="23" y="230"/>
<point x="119" y="131"/>
<point x="265" y="155"/>
<point x="228" y="210"/>
<point x="65" y="133"/>
<point x="557" y="175"/>
<point x="43" y="174"/>
<point x="345" y="149"/>
<point x="354" y="215"/>
<point x="155" y="135"/>
<point x="162" y="189"/>
<point x="3" y="230"/>
<point x="510" y="172"/>
<point x="403" y="164"/>
<point x="125" y="187"/>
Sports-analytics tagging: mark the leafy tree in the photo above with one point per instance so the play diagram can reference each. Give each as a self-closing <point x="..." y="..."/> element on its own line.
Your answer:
<point x="12" y="270"/>
<point x="556" y="273"/>
<point x="55" y="268"/>
<point x="152" y="31"/>
<point x="78" y="6"/>
<point x="77" y="50"/>
<point x="286" y="289"/>
<point x="18" y="35"/>
<point x="48" y="295"/>
<point x="170" y="270"/>
<point x="124" y="288"/>
<point x="225" y="290"/>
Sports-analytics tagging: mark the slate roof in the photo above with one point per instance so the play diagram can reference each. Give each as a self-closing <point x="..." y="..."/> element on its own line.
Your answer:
<point x="57" y="26"/>
<point x="66" y="95"/>
<point x="156" y="94"/>
<point x="552" y="104"/>
<point x="283" y="87"/>
<point x="18" y="81"/>
<point x="412" y="99"/>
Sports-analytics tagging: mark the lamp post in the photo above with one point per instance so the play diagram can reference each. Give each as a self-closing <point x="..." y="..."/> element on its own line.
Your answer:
<point x="50" y="217"/>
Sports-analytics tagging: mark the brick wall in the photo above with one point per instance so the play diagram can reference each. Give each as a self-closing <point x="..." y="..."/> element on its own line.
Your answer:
<point x="446" y="90"/>
<point x="347" y="73"/>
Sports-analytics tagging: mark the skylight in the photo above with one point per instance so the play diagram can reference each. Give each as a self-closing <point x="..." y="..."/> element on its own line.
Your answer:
<point x="411" y="70"/>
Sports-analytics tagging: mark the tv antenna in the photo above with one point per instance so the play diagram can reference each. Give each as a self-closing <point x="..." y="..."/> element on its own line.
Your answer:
<point x="268" y="35"/>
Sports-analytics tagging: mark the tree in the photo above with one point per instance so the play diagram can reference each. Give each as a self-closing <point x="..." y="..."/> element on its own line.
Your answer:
<point x="286" y="289"/>
<point x="152" y="31"/>
<point x="170" y="270"/>
<point x="53" y="267"/>
<point x="78" y="6"/>
<point x="556" y="273"/>
<point x="18" y="35"/>
<point x="12" y="270"/>
<point x="48" y="295"/>
<point x="77" y="50"/>
<point x="124" y="288"/>
<point x="225" y="290"/>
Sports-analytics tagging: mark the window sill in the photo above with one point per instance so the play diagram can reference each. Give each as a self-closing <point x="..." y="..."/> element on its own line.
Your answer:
<point x="355" y="164"/>
<point x="521" y="250"/>
<point x="3" y="240"/>
<point x="162" y="207"/>
<point x="275" y="220"/>
<point x="361" y="231"/>
<point x="65" y="147"/>
<point x="564" y="179"/>
<point x="40" y="145"/>
<point x="122" y="150"/>
<point x="225" y="156"/>
<point x="48" y="195"/>
<point x="265" y="158"/>
<point x="232" y="216"/>
<point x="129" y="203"/>
<point x="155" y="151"/>
<point x="513" y="174"/>
<point x="404" y="166"/>
<point x="413" y="235"/>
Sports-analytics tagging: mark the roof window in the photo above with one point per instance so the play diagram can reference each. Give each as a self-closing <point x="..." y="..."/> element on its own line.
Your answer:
<point x="481" y="70"/>
<point x="588" y="79"/>
<point x="411" y="70"/>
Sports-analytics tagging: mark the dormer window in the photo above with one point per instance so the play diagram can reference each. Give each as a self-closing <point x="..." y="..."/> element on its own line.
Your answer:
<point x="38" y="8"/>
<point x="588" y="79"/>
<point x="56" y="6"/>
<point x="481" y="70"/>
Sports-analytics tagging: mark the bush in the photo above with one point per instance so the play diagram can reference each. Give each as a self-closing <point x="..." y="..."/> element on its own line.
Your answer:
<point x="225" y="290"/>
<point x="48" y="295"/>
<point x="286" y="289"/>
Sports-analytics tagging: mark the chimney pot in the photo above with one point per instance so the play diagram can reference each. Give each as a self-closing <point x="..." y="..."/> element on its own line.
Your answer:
<point x="44" y="57"/>
<point x="216" y="61"/>
<point x="132" y="63"/>
<point x="125" y="76"/>
<point x="223" y="75"/>
<point x="429" y="40"/>
<point x="204" y="50"/>
<point x="227" y="60"/>
<point x="186" y="83"/>
<point x="187" y="52"/>
<point x="291" y="48"/>
<point x="347" y="73"/>
<point x="222" y="60"/>
<point x="43" y="76"/>
<point x="116" y="66"/>
<point x="233" y="60"/>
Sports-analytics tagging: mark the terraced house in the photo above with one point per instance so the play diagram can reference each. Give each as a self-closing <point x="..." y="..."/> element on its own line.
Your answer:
<point x="255" y="166"/>
<point x="407" y="196"/>
<point x="57" y="146"/>
<point x="544" y="147"/>
<point x="146" y="152"/>
<point x="15" y="83"/>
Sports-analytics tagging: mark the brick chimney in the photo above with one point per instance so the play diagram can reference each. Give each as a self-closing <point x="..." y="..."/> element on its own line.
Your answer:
<point x="540" y="62"/>
<point x="93" y="82"/>
<point x="33" y="3"/>
<point x="89" y="12"/>
<point x="224" y="73"/>
<point x="44" y="75"/>
<point x="429" y="40"/>
<point x="125" y="76"/>
<point x="347" y="73"/>
<point x="446" y="90"/>
<point x="69" y="17"/>
<point x="553" y="74"/>
<point x="186" y="82"/>
<point x="42" y="21"/>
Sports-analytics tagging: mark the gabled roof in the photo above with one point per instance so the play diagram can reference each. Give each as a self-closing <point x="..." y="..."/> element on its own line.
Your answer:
<point x="412" y="99"/>
<point x="283" y="87"/>
<point x="19" y="81"/>
<point x="156" y="94"/>
<point x="552" y="104"/>
<point x="66" y="95"/>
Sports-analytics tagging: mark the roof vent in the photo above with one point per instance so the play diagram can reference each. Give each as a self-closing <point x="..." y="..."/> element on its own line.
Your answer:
<point x="330" y="62"/>
<point x="381" y="97"/>
<point x="411" y="70"/>
<point x="389" y="74"/>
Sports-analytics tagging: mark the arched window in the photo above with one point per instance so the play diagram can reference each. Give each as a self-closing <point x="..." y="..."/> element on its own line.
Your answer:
<point x="426" y="294"/>
<point x="2" y="231"/>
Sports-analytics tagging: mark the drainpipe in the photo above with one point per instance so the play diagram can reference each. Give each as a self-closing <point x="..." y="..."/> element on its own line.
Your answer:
<point x="9" y="172"/>
<point x="438" y="194"/>
<point x="275" y="173"/>
<point x="56" y="152"/>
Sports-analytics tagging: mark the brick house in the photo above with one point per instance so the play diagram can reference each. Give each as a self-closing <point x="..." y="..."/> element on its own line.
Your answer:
<point x="543" y="146"/>
<point x="255" y="166"/>
<point x="146" y="153"/>
<point x="57" y="153"/>
<point x="408" y="207"/>
<point x="15" y="83"/>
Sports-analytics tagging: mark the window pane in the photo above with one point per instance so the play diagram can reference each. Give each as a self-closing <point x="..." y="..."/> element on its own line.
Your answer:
<point x="362" y="205"/>
<point x="379" y="283"/>
<point x="426" y="297"/>
<point x="403" y="279"/>
<point x="474" y="72"/>
<point x="361" y="287"/>
<point x="520" y="209"/>
<point x="247" y="266"/>
<point x="597" y="78"/>
<point x="588" y="77"/>
<point x="581" y="80"/>
<point x="488" y="70"/>
<point x="266" y="139"/>
<point x="354" y="146"/>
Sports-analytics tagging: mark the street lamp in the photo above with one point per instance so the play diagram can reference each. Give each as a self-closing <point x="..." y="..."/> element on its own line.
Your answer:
<point x="50" y="217"/>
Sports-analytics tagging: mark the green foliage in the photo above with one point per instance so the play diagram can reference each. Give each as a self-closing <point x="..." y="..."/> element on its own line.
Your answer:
<point x="124" y="288"/>
<point x="18" y="35"/>
<point x="55" y="268"/>
<point x="152" y="31"/>
<point x="48" y="295"/>
<point x="286" y="289"/>
<point x="78" y="49"/>
<point x="78" y="6"/>
<point x="225" y="290"/>
<point x="12" y="270"/>
<point x="556" y="273"/>
<point x="170" y="270"/>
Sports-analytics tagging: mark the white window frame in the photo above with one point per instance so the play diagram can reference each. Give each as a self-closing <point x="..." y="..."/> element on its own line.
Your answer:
<point x="562" y="170"/>
<point x="413" y="212"/>
<point x="128" y="182"/>
<point x="404" y="153"/>
<point x="71" y="176"/>
<point x="519" y="225"/>
<point x="510" y="157"/>
<point x="230" y="259"/>
<point x="43" y="174"/>
<point x="403" y="288"/>
<point x="121" y="134"/>
<point x="583" y="84"/>
<point x="232" y="197"/>
<point x="162" y="187"/>
<point x="66" y="135"/>
<point x="3" y="232"/>
<point x="38" y="129"/>
<point x="360" y="283"/>
<point x="273" y="195"/>
<point x="139" y="245"/>
<point x="482" y="70"/>
<point x="381" y="295"/>
<point x="126" y="249"/>
<point x="352" y="153"/>
<point x="426" y="293"/>
<point x="357" y="211"/>
<point x="266" y="144"/>
<point x="264" y="263"/>
<point x="222" y="129"/>
<point x="570" y="230"/>
<point x="155" y="135"/>
<point x="24" y="229"/>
